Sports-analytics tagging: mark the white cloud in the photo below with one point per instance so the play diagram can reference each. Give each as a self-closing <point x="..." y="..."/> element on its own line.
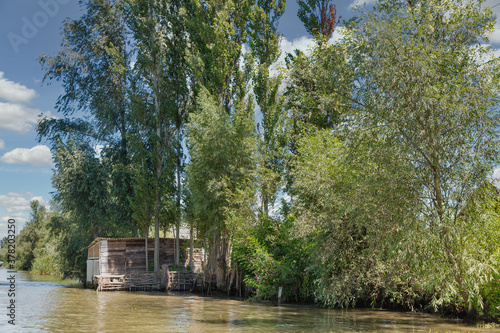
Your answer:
<point x="494" y="5"/>
<point x="356" y="3"/>
<point x="98" y="150"/>
<point x="20" y="218"/>
<point x="2" y="144"/>
<point x="303" y="44"/>
<point x="15" y="199"/>
<point x="496" y="177"/>
<point x="495" y="35"/>
<point x="39" y="156"/>
<point x="15" y="92"/>
<point x="17" y="117"/>
<point x="17" y="206"/>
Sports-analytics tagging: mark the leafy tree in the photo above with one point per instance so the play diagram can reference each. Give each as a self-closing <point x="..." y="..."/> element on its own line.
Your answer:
<point x="272" y="258"/>
<point x="36" y="249"/>
<point x="318" y="94"/>
<point x="319" y="17"/>
<point x="180" y="101"/>
<point x="220" y="175"/>
<point x="29" y="237"/>
<point x="357" y="204"/>
<point x="80" y="180"/>
<point x="218" y="30"/>
<point x="221" y="125"/>
<point x="93" y="65"/>
<point x="150" y="24"/>
<point x="264" y="46"/>
<point x="427" y="82"/>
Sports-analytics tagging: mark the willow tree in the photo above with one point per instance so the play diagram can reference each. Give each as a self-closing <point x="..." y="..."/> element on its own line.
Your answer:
<point x="93" y="66"/>
<point x="429" y="85"/>
<point x="82" y="191"/>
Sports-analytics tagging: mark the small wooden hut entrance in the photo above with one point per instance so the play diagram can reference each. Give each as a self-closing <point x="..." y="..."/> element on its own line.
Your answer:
<point x="118" y="259"/>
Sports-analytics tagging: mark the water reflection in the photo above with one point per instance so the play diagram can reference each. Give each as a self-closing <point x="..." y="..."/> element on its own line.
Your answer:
<point x="46" y="304"/>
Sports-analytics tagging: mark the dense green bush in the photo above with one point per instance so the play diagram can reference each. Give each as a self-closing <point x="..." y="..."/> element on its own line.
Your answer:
<point x="271" y="257"/>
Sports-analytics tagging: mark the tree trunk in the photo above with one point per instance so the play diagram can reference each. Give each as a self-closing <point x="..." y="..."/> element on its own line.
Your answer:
<point x="95" y="230"/>
<point x="221" y="255"/>
<point x="178" y="203"/>
<point x="157" y="233"/>
<point x="191" y="262"/>
<point x="146" y="249"/>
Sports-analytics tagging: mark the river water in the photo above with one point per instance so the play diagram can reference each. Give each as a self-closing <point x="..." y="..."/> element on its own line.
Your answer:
<point x="46" y="304"/>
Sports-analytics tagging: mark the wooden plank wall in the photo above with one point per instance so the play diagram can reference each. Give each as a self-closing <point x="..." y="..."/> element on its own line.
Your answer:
<point x="103" y="258"/>
<point x="93" y="251"/>
<point x="127" y="256"/>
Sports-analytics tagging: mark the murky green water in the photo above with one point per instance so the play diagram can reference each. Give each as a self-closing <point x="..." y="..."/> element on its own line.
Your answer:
<point x="49" y="305"/>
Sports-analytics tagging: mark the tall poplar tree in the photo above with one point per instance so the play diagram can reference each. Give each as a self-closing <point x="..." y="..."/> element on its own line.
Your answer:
<point x="264" y="45"/>
<point x="218" y="30"/>
<point x="149" y="24"/>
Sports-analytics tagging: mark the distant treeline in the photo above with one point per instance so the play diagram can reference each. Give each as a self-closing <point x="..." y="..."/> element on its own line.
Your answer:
<point x="356" y="174"/>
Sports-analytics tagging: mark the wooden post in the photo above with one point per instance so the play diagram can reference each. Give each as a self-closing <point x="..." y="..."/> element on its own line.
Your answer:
<point x="165" y="279"/>
<point x="191" y="262"/>
<point x="146" y="248"/>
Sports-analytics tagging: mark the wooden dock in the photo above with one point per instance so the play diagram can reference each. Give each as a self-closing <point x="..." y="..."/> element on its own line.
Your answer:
<point x="177" y="280"/>
<point x="132" y="281"/>
<point x="181" y="280"/>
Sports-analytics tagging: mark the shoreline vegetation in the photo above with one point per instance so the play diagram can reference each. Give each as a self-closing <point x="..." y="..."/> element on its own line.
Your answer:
<point x="366" y="180"/>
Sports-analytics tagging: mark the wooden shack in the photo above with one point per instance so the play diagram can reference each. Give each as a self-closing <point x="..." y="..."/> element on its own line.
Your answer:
<point x="121" y="256"/>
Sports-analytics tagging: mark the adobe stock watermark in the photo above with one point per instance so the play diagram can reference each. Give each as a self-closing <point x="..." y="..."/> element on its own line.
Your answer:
<point x="11" y="272"/>
<point x="32" y="25"/>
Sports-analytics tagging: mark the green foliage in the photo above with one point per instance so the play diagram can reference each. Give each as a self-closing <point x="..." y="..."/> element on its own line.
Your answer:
<point x="83" y="195"/>
<point x="396" y="193"/>
<point x="160" y="106"/>
<point x="218" y="30"/>
<point x="35" y="247"/>
<point x="319" y="17"/>
<point x="319" y="89"/>
<point x="93" y="66"/>
<point x="386" y="139"/>
<point x="360" y="232"/>
<point x="419" y="69"/>
<point x="81" y="183"/>
<point x="264" y="46"/>
<point x="221" y="152"/>
<point x="271" y="257"/>
<point x="47" y="260"/>
<point x="220" y="174"/>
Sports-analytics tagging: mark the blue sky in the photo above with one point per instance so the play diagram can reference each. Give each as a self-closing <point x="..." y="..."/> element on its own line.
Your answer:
<point x="29" y="28"/>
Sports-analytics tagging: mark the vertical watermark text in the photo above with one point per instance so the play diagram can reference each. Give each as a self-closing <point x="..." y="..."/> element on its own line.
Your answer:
<point x="11" y="272"/>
